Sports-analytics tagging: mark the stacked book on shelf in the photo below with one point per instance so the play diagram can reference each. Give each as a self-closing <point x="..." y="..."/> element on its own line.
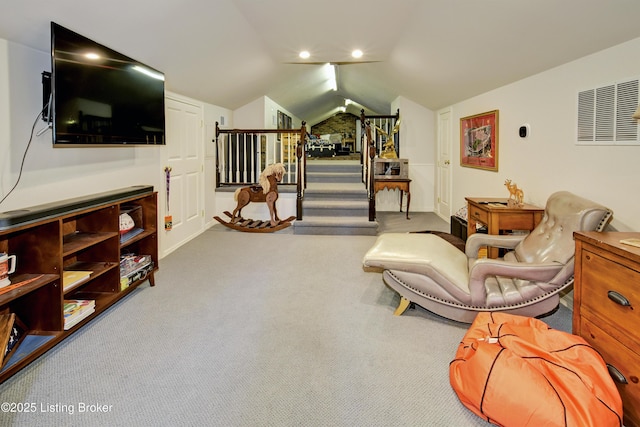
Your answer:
<point x="72" y="278"/>
<point x="77" y="309"/>
<point x="124" y="237"/>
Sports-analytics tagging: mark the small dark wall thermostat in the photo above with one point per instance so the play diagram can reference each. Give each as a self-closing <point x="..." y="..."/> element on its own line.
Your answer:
<point x="524" y="131"/>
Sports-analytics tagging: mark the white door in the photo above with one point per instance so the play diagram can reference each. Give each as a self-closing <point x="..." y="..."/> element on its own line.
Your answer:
<point x="184" y="157"/>
<point x="445" y="140"/>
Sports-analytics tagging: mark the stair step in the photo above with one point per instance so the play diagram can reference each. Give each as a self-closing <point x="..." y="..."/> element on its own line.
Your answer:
<point x="334" y="166"/>
<point x="345" y="208"/>
<point x="337" y="177"/>
<point x="336" y="226"/>
<point x="335" y="200"/>
<point x="339" y="191"/>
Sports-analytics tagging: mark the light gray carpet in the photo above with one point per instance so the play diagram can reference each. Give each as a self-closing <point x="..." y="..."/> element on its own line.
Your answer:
<point x="250" y="329"/>
<point x="418" y="221"/>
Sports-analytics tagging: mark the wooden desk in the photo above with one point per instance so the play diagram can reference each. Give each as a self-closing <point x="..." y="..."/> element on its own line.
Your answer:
<point x="500" y="218"/>
<point x="394" y="184"/>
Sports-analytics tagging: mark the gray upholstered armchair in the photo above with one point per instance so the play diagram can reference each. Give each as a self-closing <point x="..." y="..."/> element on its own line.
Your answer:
<point x="427" y="270"/>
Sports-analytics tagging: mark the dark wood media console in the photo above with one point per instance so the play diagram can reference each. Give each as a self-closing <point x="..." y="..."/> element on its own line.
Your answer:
<point x="81" y="234"/>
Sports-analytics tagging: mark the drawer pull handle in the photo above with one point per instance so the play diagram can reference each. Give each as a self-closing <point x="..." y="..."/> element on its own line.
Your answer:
<point x="616" y="375"/>
<point x="618" y="298"/>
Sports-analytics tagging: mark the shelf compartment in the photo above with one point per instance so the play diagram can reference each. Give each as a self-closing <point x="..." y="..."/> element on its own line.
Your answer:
<point x="37" y="248"/>
<point x="77" y="241"/>
<point x="38" y="304"/>
<point x="12" y="333"/>
<point x="144" y="244"/>
<point x="105" y="280"/>
<point x="95" y="220"/>
<point x="103" y="300"/>
<point x="35" y="281"/>
<point x="97" y="269"/>
<point x="134" y="269"/>
<point x="33" y="345"/>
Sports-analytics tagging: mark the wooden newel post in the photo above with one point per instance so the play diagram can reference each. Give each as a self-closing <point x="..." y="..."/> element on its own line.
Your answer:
<point x="372" y="191"/>
<point x="215" y="141"/>
<point x="299" y="155"/>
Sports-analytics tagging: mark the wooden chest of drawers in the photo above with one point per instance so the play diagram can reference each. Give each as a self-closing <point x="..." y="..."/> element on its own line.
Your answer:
<point x="606" y="309"/>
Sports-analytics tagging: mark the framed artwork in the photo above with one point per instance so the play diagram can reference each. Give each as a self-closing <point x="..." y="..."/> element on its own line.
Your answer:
<point x="280" y="123"/>
<point x="479" y="141"/>
<point x="284" y="122"/>
<point x="280" y="120"/>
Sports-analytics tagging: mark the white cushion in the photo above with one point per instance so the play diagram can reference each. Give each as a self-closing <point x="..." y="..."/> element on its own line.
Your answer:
<point x="422" y="253"/>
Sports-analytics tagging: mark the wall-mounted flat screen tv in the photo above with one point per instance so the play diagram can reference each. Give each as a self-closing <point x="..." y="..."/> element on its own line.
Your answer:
<point x="100" y="97"/>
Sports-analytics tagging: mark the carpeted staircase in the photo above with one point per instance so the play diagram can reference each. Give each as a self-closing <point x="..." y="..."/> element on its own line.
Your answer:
<point x="335" y="201"/>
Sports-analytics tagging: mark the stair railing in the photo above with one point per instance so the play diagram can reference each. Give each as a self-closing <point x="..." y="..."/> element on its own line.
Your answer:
<point x="301" y="155"/>
<point x="375" y="133"/>
<point x="242" y="154"/>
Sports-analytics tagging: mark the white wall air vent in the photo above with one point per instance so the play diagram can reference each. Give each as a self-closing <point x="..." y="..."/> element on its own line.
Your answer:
<point x="604" y="114"/>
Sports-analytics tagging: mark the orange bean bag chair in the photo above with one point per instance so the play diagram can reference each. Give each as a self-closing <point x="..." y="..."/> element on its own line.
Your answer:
<point x="516" y="371"/>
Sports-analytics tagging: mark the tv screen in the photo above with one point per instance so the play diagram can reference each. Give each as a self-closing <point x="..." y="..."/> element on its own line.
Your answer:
<point x="100" y="97"/>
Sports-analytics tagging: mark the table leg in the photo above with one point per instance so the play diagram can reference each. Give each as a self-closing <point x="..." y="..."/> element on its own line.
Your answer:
<point x="408" y="202"/>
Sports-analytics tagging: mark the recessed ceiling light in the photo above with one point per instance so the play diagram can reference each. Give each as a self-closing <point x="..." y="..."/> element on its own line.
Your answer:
<point x="357" y="53"/>
<point x="304" y="54"/>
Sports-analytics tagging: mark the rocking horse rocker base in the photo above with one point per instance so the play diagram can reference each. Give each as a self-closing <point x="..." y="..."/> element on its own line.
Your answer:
<point x="253" y="225"/>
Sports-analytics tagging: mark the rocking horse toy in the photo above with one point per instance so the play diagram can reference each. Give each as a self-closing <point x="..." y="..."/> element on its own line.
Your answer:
<point x="266" y="192"/>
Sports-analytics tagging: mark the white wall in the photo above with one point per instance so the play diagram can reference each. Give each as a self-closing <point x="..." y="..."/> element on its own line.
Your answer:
<point x="249" y="116"/>
<point x="212" y="114"/>
<point x="549" y="159"/>
<point x="5" y="130"/>
<point x="261" y="113"/>
<point x="54" y="174"/>
<point x="271" y="115"/>
<point x="417" y="136"/>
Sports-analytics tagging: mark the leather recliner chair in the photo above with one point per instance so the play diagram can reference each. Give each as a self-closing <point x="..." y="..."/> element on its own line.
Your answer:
<point x="427" y="270"/>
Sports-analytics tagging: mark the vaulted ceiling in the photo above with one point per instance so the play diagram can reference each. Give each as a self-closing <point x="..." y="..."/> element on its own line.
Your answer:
<point x="433" y="52"/>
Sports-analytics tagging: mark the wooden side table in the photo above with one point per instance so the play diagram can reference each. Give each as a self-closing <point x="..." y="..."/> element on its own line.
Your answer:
<point x="394" y="184"/>
<point x="498" y="216"/>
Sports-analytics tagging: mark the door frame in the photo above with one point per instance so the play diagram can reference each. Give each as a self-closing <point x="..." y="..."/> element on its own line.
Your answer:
<point x="162" y="199"/>
<point x="449" y="166"/>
